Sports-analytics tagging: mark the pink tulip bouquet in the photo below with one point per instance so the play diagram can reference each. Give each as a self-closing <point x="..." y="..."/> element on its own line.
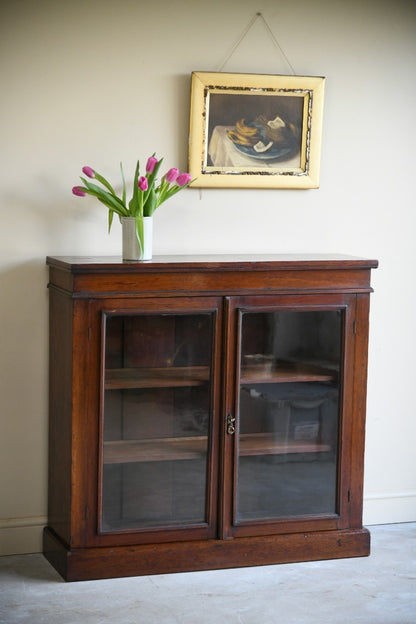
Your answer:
<point x="147" y="193"/>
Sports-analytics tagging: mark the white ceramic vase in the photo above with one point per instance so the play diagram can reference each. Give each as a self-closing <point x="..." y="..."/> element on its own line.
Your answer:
<point x="131" y="245"/>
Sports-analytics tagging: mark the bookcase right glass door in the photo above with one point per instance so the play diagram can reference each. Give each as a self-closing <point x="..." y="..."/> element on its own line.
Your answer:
<point x="288" y="414"/>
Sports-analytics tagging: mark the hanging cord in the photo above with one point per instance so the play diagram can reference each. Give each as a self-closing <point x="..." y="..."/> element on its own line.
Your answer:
<point x="243" y="35"/>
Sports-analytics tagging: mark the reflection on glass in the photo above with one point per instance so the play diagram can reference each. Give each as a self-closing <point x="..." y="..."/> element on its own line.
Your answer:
<point x="288" y="414"/>
<point x="155" y="420"/>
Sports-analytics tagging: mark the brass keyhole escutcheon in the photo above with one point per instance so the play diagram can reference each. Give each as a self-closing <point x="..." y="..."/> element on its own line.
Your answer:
<point x="230" y="424"/>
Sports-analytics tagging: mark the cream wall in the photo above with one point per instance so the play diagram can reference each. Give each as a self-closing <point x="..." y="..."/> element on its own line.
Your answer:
<point x="96" y="82"/>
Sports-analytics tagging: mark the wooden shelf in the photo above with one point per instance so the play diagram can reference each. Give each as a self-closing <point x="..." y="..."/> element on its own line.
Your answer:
<point x="176" y="376"/>
<point x="266" y="444"/>
<point x="286" y="372"/>
<point x="173" y="449"/>
<point x="160" y="449"/>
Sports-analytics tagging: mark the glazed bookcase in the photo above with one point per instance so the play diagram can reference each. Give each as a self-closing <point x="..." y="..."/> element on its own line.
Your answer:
<point x="205" y="412"/>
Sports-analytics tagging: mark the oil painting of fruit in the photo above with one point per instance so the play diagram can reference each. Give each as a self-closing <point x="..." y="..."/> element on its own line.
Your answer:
<point x="265" y="139"/>
<point x="255" y="131"/>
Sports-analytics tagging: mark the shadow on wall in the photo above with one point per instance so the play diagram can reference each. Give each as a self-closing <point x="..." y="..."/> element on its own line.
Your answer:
<point x="24" y="319"/>
<point x="24" y="387"/>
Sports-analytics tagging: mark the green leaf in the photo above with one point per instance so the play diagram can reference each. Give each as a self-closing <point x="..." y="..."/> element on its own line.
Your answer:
<point x="110" y="219"/>
<point x="151" y="204"/>
<point x="106" y="198"/>
<point x="104" y="182"/>
<point x="167" y="191"/>
<point x="152" y="177"/>
<point x="106" y="203"/>
<point x="134" y="202"/>
<point x="161" y="192"/>
<point x="124" y="183"/>
<point x="140" y="233"/>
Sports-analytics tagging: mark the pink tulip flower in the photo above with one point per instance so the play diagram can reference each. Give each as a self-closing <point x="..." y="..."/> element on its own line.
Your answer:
<point x="151" y="164"/>
<point x="88" y="172"/>
<point x="171" y="175"/>
<point x="183" y="179"/>
<point x="77" y="190"/>
<point x="143" y="185"/>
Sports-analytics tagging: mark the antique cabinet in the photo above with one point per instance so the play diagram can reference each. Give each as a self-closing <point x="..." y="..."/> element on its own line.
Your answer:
<point x="205" y="412"/>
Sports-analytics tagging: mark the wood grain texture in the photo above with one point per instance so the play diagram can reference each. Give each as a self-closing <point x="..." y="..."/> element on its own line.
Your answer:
<point x="84" y="292"/>
<point x="90" y="563"/>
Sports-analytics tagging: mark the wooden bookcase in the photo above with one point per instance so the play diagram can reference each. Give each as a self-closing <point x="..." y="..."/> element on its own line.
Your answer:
<point x="205" y="412"/>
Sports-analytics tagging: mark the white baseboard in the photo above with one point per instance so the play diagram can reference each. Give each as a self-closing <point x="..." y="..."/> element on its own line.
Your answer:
<point x="19" y="536"/>
<point x="389" y="508"/>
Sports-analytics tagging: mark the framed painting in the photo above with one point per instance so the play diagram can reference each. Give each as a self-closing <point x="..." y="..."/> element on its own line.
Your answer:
<point x="255" y="130"/>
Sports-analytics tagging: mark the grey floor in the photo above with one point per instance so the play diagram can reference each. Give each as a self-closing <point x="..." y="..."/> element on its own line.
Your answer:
<point x="380" y="589"/>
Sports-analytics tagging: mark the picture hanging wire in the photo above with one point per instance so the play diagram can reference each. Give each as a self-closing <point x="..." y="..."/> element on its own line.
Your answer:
<point x="243" y="35"/>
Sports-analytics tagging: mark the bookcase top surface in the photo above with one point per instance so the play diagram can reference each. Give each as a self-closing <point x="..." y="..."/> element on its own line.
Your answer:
<point x="212" y="262"/>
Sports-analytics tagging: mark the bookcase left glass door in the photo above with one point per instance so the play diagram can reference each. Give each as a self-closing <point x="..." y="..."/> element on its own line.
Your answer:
<point x="157" y="468"/>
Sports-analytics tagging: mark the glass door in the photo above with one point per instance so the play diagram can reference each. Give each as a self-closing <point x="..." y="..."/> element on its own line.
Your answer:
<point x="157" y="468"/>
<point x="288" y="416"/>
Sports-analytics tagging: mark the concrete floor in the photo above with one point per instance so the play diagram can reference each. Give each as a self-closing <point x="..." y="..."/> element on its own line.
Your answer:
<point x="380" y="589"/>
